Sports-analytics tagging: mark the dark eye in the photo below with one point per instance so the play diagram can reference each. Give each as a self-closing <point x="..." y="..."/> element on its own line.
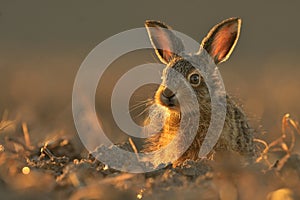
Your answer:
<point x="195" y="79"/>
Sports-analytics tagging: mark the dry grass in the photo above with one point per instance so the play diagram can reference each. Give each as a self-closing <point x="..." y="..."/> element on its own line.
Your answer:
<point x="4" y="122"/>
<point x="284" y="143"/>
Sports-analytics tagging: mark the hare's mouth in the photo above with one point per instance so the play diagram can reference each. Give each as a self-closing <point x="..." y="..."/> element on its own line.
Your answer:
<point x="173" y="107"/>
<point x="170" y="103"/>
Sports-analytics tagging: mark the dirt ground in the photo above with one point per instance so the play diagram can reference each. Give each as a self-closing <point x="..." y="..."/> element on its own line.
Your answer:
<point x="55" y="169"/>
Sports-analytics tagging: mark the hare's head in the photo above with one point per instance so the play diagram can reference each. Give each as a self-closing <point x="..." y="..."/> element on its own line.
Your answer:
<point x="219" y="43"/>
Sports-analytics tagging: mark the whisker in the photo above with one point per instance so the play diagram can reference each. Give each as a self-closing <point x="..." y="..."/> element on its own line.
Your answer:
<point x="141" y="113"/>
<point x="141" y="104"/>
<point x="144" y="101"/>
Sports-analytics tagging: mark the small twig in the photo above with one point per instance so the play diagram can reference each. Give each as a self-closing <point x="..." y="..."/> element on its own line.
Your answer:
<point x="26" y="135"/>
<point x="282" y="161"/>
<point x="263" y="155"/>
<point x="281" y="144"/>
<point x="5" y="124"/>
<point x="262" y="142"/>
<point x="134" y="148"/>
<point x="47" y="152"/>
<point x="287" y="125"/>
<point x="295" y="125"/>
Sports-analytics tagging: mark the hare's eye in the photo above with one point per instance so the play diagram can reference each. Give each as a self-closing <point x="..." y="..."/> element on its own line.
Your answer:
<point x="195" y="79"/>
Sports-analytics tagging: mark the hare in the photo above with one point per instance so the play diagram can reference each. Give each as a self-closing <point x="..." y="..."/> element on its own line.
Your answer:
<point x="236" y="135"/>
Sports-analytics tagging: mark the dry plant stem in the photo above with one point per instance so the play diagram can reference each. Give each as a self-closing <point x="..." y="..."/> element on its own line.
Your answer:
<point x="263" y="156"/>
<point x="46" y="151"/>
<point x="26" y="135"/>
<point x="288" y="129"/>
<point x="134" y="148"/>
<point x="5" y="124"/>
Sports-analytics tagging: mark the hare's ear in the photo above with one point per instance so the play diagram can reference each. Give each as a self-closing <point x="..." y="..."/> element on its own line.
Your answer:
<point x="164" y="41"/>
<point x="222" y="38"/>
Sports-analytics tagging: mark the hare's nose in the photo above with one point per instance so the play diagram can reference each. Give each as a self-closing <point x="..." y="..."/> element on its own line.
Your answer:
<point x="168" y="93"/>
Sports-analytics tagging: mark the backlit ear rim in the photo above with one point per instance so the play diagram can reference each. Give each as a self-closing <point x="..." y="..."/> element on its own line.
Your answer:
<point x="222" y="38"/>
<point x="163" y="40"/>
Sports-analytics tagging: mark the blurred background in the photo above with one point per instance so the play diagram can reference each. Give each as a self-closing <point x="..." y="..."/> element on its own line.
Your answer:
<point x="42" y="45"/>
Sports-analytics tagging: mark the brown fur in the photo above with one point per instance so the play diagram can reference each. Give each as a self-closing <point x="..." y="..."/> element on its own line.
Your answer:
<point x="236" y="135"/>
